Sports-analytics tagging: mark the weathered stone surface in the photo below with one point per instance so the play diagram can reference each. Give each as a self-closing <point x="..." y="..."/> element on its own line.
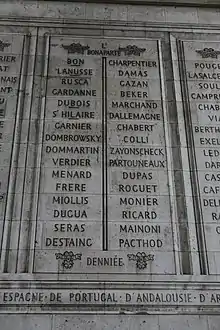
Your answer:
<point x="109" y="166"/>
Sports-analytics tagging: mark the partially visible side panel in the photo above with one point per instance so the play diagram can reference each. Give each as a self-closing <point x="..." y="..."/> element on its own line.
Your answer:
<point x="11" y="48"/>
<point x="14" y="100"/>
<point x="200" y="80"/>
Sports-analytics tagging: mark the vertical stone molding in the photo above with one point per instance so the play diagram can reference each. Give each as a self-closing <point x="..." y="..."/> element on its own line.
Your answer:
<point x="14" y="77"/>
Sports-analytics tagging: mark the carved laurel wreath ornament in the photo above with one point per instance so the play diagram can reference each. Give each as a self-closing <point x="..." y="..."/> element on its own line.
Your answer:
<point x="141" y="259"/>
<point x="75" y="48"/>
<point x="68" y="258"/>
<point x="3" y="45"/>
<point x="132" y="50"/>
<point x="208" y="53"/>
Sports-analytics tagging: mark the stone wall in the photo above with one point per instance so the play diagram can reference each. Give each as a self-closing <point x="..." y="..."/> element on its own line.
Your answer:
<point x="109" y="166"/>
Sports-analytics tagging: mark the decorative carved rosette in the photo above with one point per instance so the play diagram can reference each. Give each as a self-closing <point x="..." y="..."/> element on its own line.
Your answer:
<point x="68" y="258"/>
<point x="141" y="259"/>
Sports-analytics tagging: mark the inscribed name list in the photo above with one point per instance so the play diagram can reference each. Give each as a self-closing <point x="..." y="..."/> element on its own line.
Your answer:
<point x="104" y="201"/>
<point x="203" y="79"/>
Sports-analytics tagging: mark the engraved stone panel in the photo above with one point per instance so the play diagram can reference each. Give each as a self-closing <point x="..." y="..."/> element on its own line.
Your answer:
<point x="11" y="51"/>
<point x="104" y="204"/>
<point x="202" y="64"/>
